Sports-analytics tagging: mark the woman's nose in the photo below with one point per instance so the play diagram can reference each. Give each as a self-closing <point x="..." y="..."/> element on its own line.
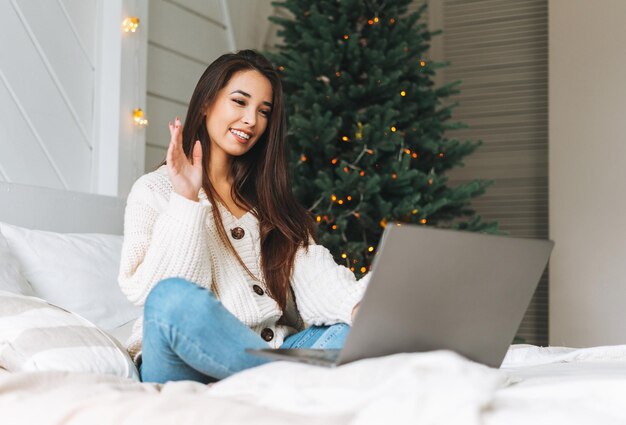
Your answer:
<point x="249" y="117"/>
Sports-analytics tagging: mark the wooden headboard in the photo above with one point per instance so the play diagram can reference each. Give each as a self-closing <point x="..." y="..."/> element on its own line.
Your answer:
<point x="60" y="210"/>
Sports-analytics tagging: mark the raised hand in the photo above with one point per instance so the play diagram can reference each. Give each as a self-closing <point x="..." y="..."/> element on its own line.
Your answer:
<point x="185" y="175"/>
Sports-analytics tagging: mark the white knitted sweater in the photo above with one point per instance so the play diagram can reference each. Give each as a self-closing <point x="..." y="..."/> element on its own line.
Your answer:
<point x="167" y="235"/>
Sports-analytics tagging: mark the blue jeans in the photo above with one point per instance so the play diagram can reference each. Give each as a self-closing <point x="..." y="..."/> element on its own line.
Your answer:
<point x="189" y="335"/>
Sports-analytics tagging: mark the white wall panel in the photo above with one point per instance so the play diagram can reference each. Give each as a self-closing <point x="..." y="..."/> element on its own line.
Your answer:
<point x="64" y="58"/>
<point x="22" y="155"/>
<point x="162" y="111"/>
<point x="202" y="40"/>
<point x="82" y="18"/>
<point x="211" y="9"/>
<point x="171" y="75"/>
<point x="42" y="104"/>
<point x="154" y="156"/>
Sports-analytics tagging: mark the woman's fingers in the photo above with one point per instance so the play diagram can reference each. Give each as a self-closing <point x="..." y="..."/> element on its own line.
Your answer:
<point x="197" y="154"/>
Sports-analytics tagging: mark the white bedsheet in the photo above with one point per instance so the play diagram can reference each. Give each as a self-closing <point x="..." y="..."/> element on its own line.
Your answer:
<point x="535" y="386"/>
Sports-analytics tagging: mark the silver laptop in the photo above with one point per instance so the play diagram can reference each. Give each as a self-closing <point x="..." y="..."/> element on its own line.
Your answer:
<point x="434" y="289"/>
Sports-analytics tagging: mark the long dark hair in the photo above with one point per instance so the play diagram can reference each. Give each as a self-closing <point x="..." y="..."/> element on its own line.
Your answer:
<point x="261" y="181"/>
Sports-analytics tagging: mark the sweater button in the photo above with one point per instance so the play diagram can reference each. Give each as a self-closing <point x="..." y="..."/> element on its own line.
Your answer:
<point x="267" y="334"/>
<point x="237" y="232"/>
<point x="258" y="289"/>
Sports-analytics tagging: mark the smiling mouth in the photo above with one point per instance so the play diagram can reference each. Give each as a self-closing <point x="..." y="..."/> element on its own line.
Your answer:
<point x="240" y="136"/>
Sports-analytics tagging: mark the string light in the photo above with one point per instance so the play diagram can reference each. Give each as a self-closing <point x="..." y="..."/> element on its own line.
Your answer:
<point x="383" y="223"/>
<point x="393" y="129"/>
<point x="130" y="24"/>
<point x="363" y="269"/>
<point x="423" y="221"/>
<point x="281" y="68"/>
<point x="414" y="212"/>
<point x="334" y="227"/>
<point x="359" y="131"/>
<point x="344" y="255"/>
<point x="340" y="202"/>
<point x="407" y="151"/>
<point x="422" y="63"/>
<point x="441" y="155"/>
<point x="362" y="173"/>
<point x="333" y="161"/>
<point x="430" y="181"/>
<point x="376" y="19"/>
<point x="394" y="176"/>
<point x="345" y="37"/>
<point x="351" y="268"/>
<point x="303" y="158"/>
<point x="338" y="74"/>
<point x="402" y="93"/>
<point x="392" y="21"/>
<point x="356" y="214"/>
<point x="139" y="118"/>
<point x="349" y="198"/>
<point x="333" y="198"/>
<point x="414" y="155"/>
<point x="318" y="218"/>
<point x="370" y="249"/>
<point x="370" y="22"/>
<point x="345" y="138"/>
<point x="346" y="170"/>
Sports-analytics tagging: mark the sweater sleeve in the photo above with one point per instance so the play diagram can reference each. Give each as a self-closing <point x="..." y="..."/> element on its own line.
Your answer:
<point x="162" y="238"/>
<point x="325" y="292"/>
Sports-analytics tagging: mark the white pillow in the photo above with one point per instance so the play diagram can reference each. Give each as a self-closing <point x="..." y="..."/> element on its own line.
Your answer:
<point x="10" y="277"/>
<point x="38" y="336"/>
<point x="75" y="271"/>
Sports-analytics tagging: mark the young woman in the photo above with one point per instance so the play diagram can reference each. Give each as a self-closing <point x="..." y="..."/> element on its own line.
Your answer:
<point x="217" y="249"/>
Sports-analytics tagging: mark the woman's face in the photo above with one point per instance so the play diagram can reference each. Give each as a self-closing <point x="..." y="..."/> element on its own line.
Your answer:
<point x="240" y="113"/>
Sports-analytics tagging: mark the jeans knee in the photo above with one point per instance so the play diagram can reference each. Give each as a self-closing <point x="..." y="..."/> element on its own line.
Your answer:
<point x="166" y="296"/>
<point x="173" y="298"/>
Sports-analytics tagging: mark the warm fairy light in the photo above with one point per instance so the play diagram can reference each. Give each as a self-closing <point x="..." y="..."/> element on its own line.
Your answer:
<point x="370" y="151"/>
<point x="340" y="202"/>
<point x="422" y="63"/>
<point x="414" y="155"/>
<point x="303" y="158"/>
<point x="392" y="21"/>
<point x="407" y="151"/>
<point x="370" y="22"/>
<point x="318" y="218"/>
<point x="394" y="129"/>
<point x="370" y="249"/>
<point x="398" y="224"/>
<point x="349" y="198"/>
<point x="383" y="223"/>
<point x="356" y="214"/>
<point x="423" y="221"/>
<point x="351" y="268"/>
<point x="376" y="19"/>
<point x="344" y="255"/>
<point x="281" y="68"/>
<point x="345" y="37"/>
<point x="441" y="155"/>
<point x="333" y="161"/>
<point x="345" y="169"/>
<point x="430" y="181"/>
<point x="333" y="198"/>
<point x="338" y="74"/>
<point x="362" y="173"/>
<point x="402" y="93"/>
<point x="414" y="212"/>
<point x="139" y="118"/>
<point x="334" y="227"/>
<point x="394" y="176"/>
<point x="345" y="138"/>
<point x="131" y="24"/>
<point x="363" y="269"/>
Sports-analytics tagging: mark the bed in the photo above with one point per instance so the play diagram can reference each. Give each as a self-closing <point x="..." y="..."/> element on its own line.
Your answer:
<point x="58" y="287"/>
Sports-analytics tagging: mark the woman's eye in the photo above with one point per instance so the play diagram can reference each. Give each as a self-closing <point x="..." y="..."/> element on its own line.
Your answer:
<point x="239" y="102"/>
<point x="265" y="113"/>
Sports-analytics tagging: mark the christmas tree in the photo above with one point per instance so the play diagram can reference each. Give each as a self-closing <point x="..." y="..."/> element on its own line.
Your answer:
<point x="366" y="124"/>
